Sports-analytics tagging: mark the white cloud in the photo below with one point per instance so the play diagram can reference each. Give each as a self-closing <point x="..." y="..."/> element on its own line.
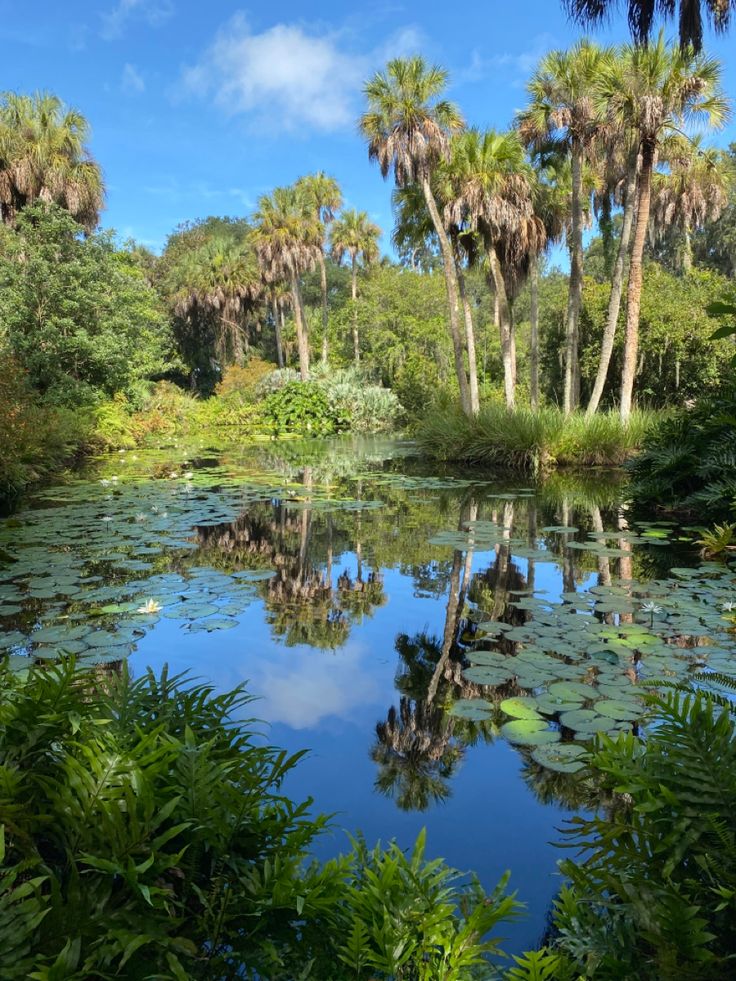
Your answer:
<point x="517" y="65"/>
<point x="132" y="82"/>
<point x="288" y="77"/>
<point x="152" y="12"/>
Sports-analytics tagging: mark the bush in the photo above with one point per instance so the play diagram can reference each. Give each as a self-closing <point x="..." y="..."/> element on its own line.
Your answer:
<point x="688" y="461"/>
<point x="37" y="441"/>
<point x="145" y="834"/>
<point x="244" y="381"/>
<point x="302" y="408"/>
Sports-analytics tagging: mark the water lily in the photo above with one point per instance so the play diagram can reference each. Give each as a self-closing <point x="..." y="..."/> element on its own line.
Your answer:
<point x="150" y="606"/>
<point x="651" y="608"/>
<point x="114" y="480"/>
<point x="105" y="482"/>
<point x="141" y="516"/>
<point x="107" y="518"/>
<point x="173" y="474"/>
<point x="729" y="607"/>
<point x="188" y="475"/>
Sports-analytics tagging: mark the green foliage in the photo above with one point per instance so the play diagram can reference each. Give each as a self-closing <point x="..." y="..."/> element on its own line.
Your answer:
<point x="73" y="309"/>
<point x="36" y="440"/>
<point x="688" y="461"/>
<point x="144" y="833"/>
<point x="303" y="408"/>
<point x="655" y="896"/>
<point x="528" y="441"/>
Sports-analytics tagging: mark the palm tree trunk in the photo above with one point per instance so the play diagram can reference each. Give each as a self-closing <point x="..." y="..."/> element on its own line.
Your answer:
<point x="277" y="332"/>
<point x="504" y="326"/>
<point x="631" y="340"/>
<point x="534" y="332"/>
<point x="470" y="341"/>
<point x="323" y="283"/>
<point x="617" y="285"/>
<point x="448" y="264"/>
<point x="354" y="285"/>
<point x="686" y="262"/>
<point x="575" y="296"/>
<point x="301" y="328"/>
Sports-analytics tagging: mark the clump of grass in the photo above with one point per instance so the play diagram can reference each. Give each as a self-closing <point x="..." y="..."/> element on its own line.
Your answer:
<point x="529" y="442"/>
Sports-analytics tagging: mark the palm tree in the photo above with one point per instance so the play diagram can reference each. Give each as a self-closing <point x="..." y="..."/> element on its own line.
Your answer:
<point x="662" y="91"/>
<point x="408" y="127"/>
<point x="44" y="157"/>
<point x="620" y="172"/>
<point x="288" y="239"/>
<point x="564" y="108"/>
<point x="414" y="236"/>
<point x="354" y="234"/>
<point x="695" y="191"/>
<point x="488" y="184"/>
<point x="325" y="197"/>
<point x="641" y="16"/>
<point x="220" y="279"/>
<point x="551" y="207"/>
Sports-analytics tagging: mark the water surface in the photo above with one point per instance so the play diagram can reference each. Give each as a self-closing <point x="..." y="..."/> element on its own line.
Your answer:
<point x="443" y="645"/>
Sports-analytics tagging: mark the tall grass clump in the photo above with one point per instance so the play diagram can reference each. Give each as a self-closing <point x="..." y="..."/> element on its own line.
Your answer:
<point x="531" y="442"/>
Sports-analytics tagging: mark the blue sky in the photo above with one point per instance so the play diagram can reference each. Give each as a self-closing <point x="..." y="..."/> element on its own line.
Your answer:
<point x="198" y="108"/>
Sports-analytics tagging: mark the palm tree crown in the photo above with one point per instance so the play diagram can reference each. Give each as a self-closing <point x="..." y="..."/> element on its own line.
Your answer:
<point x="287" y="233"/>
<point x="641" y="15"/>
<point x="43" y="156"/>
<point x="407" y="125"/>
<point x="354" y="235"/>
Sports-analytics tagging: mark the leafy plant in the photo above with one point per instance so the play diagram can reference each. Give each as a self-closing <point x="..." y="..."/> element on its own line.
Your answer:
<point x="303" y="408"/>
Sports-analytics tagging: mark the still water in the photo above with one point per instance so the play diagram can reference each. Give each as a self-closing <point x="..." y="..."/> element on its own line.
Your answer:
<point x="443" y="645"/>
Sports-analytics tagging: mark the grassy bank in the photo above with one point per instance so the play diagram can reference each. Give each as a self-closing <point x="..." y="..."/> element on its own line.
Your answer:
<point x="531" y="442"/>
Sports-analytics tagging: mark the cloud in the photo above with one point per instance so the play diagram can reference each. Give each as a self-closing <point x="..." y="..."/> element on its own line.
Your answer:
<point x="152" y="12"/>
<point x="517" y="65"/>
<point x="288" y="78"/>
<point x="132" y="82"/>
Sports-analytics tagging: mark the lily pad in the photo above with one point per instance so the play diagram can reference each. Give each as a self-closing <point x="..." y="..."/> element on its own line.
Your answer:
<point x="524" y="707"/>
<point x="561" y="757"/>
<point x="529" y="732"/>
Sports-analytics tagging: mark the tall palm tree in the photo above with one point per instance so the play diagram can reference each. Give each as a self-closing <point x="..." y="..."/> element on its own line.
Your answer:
<point x="488" y="186"/>
<point x="620" y="175"/>
<point x="563" y="107"/>
<point x="288" y="239"/>
<point x="325" y="197"/>
<point x="641" y="15"/>
<point x="44" y="157"/>
<point x="354" y="235"/>
<point x="693" y="192"/>
<point x="408" y="127"/>
<point x="664" y="90"/>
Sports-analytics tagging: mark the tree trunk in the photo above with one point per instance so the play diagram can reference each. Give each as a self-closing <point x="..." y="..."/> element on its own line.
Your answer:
<point x="277" y="332"/>
<point x="687" y="251"/>
<point x="504" y="326"/>
<point x="323" y="283"/>
<point x="534" y="333"/>
<point x="617" y="285"/>
<point x="356" y="337"/>
<point x="631" y="340"/>
<point x="575" y="296"/>
<point x="301" y="329"/>
<point x="470" y="341"/>
<point x="448" y="263"/>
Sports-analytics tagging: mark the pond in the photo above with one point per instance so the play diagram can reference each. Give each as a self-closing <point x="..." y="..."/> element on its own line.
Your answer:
<point x="444" y="646"/>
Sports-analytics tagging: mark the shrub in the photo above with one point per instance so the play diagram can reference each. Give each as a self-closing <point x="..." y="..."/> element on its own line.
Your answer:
<point x="243" y="381"/>
<point x="145" y="834"/>
<point x="302" y="408"/>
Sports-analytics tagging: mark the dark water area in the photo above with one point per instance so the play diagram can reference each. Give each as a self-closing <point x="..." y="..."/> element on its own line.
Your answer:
<point x="444" y="645"/>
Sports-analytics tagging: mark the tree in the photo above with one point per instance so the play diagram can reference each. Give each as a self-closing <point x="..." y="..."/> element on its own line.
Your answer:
<point x="323" y="194"/>
<point x="662" y="91"/>
<point x="408" y="127"/>
<point x="641" y="14"/>
<point x="693" y="192"/>
<point x="288" y="239"/>
<point x="44" y="157"/>
<point x="73" y="309"/>
<point x="488" y="186"/>
<point x="354" y="234"/>
<point x="564" y="108"/>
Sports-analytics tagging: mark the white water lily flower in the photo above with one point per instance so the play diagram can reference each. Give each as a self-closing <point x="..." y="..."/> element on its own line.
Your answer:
<point x="188" y="475"/>
<point x="141" y="517"/>
<point x="729" y="607"/>
<point x="173" y="474"/>
<point x="105" y="482"/>
<point x="154" y="508"/>
<point x="150" y="606"/>
<point x="114" y="480"/>
<point x="651" y="607"/>
<point x="107" y="518"/>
